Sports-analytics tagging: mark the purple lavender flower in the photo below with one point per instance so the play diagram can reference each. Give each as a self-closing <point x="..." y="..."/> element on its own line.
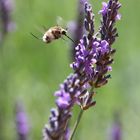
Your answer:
<point x="104" y="8"/>
<point x="115" y="132"/>
<point x="5" y="16"/>
<point x="21" y="122"/>
<point x="109" y="16"/>
<point x="76" y="27"/>
<point x="67" y="96"/>
<point x="93" y="56"/>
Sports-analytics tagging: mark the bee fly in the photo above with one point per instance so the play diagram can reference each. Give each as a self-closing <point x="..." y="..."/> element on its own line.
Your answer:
<point x="53" y="33"/>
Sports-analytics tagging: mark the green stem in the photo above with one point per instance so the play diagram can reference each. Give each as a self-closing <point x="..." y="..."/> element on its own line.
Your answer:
<point x="78" y="119"/>
<point x="76" y="124"/>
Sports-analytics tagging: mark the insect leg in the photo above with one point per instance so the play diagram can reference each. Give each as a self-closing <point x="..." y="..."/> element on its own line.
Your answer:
<point x="36" y="36"/>
<point x="63" y="38"/>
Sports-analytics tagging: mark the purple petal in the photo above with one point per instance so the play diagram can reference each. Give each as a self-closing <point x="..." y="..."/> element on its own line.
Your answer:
<point x="62" y="103"/>
<point x="118" y="17"/>
<point x="104" y="8"/>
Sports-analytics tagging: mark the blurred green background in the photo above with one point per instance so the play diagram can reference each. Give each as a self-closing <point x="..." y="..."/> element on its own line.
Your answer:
<point x="32" y="71"/>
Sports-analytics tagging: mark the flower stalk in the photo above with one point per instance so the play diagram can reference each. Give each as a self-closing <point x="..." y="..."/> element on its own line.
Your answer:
<point x="76" y="123"/>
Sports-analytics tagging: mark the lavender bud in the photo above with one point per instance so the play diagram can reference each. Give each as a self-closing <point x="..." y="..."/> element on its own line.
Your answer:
<point x="87" y="27"/>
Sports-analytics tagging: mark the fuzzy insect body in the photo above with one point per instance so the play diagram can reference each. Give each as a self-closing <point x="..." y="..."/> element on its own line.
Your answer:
<point x="53" y="33"/>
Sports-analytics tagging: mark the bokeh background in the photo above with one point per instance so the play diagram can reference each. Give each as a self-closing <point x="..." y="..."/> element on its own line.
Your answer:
<point x="31" y="71"/>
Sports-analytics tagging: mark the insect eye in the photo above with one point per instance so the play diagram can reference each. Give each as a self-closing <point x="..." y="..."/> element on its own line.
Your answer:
<point x="63" y="32"/>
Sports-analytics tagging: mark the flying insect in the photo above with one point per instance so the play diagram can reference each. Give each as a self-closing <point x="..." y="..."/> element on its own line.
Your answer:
<point x="52" y="34"/>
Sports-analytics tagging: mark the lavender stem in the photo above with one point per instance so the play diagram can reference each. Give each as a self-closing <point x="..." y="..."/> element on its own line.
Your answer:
<point x="76" y="123"/>
<point x="79" y="117"/>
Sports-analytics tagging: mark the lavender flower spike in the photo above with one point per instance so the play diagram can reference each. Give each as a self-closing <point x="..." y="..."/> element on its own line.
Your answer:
<point x="93" y="57"/>
<point x="116" y="132"/>
<point x="109" y="16"/>
<point x="6" y="7"/>
<point x="21" y="122"/>
<point x="67" y="96"/>
<point x="76" y="27"/>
